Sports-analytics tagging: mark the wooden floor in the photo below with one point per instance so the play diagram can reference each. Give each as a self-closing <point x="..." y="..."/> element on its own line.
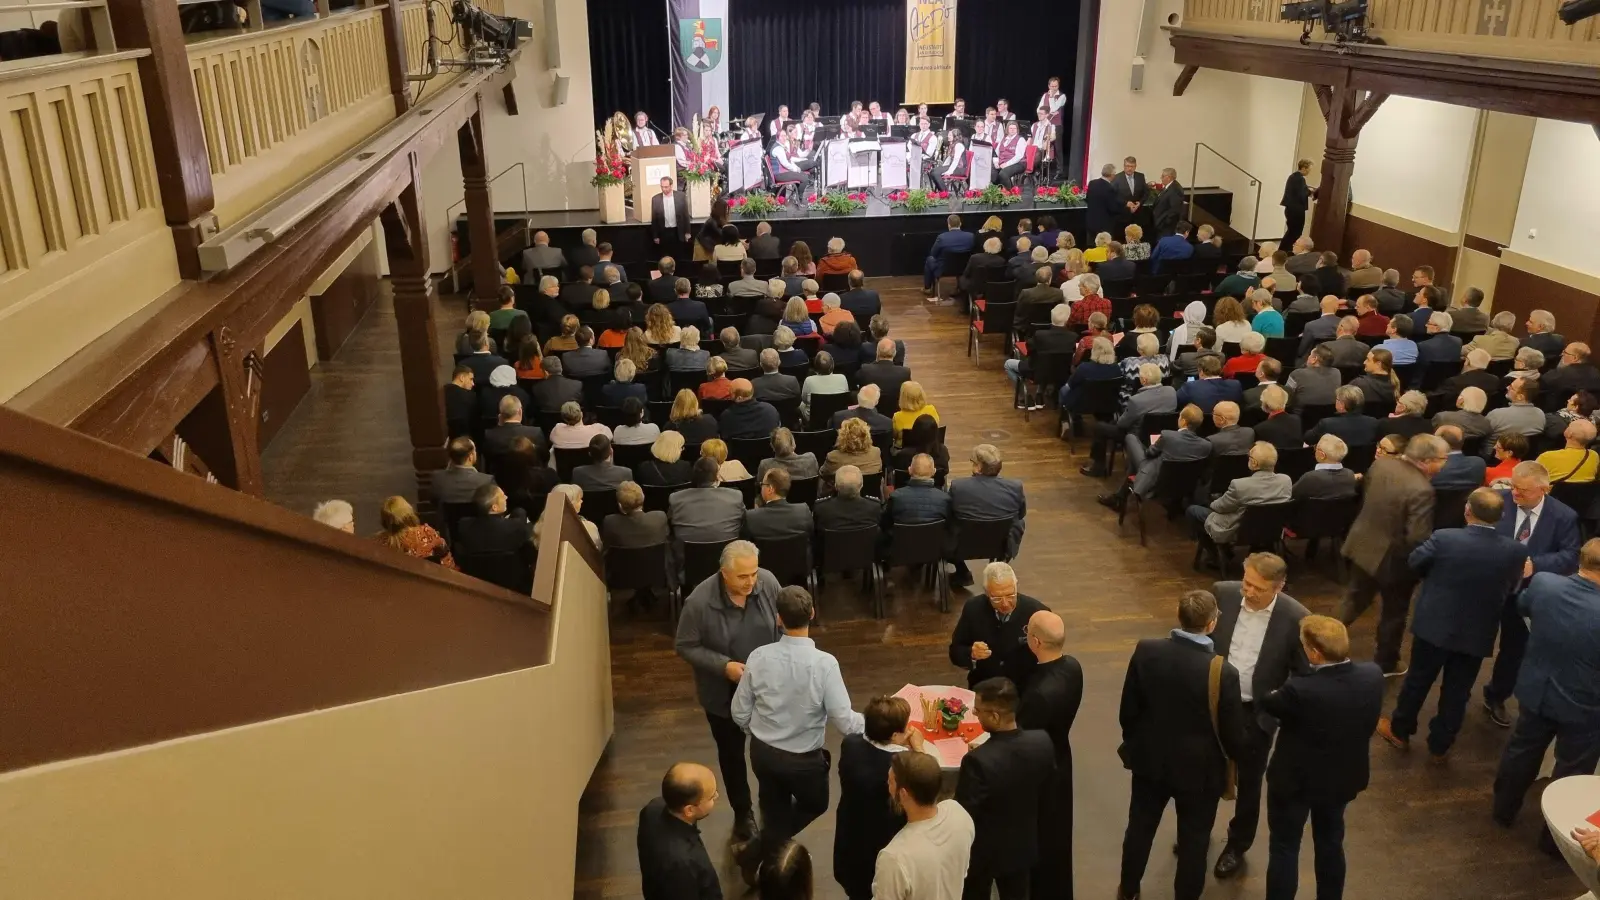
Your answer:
<point x="1419" y="831"/>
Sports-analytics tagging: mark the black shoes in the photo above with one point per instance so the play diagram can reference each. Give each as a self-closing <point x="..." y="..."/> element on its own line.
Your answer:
<point x="1229" y="863"/>
<point x="1110" y="501"/>
<point x="1092" y="471"/>
<point x="1497" y="712"/>
<point x="744" y="827"/>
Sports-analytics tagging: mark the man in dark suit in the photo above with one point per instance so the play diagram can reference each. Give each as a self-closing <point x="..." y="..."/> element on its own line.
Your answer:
<point x="886" y="375"/>
<point x="1323" y="328"/>
<point x="497" y="440"/>
<point x="866" y="409"/>
<point x="1296" y="199"/>
<point x="1349" y="423"/>
<point x="986" y="495"/>
<point x="1210" y="388"/>
<point x="585" y="256"/>
<point x="687" y="310"/>
<point x="859" y="301"/>
<point x="1101" y="207"/>
<point x="551" y="392"/>
<point x="601" y="474"/>
<point x="772" y="385"/>
<point x="1258" y="632"/>
<point x="746" y="417"/>
<point x="460" y="480"/>
<point x="920" y="501"/>
<point x="588" y="359"/>
<point x="1000" y="785"/>
<point x="1574" y="373"/>
<point x="1022" y="261"/>
<point x="1474" y="373"/>
<point x="632" y="526"/>
<point x="989" y="640"/>
<point x="1329" y="479"/>
<point x="1460" y="471"/>
<point x="1230" y="438"/>
<point x="460" y="402"/>
<point x="662" y="288"/>
<point x="1168" y="208"/>
<point x="1131" y="190"/>
<point x="1181" y="445"/>
<point x="776" y="519"/>
<point x="1322" y="761"/>
<point x="483" y="360"/>
<point x="1116" y="267"/>
<point x="669" y="220"/>
<point x="1467" y="576"/>
<point x="989" y="260"/>
<point x="494" y="531"/>
<point x="1050" y="704"/>
<point x="953" y="240"/>
<point x="765" y="244"/>
<point x="1557" y="691"/>
<point x="673" y="861"/>
<point x="1548" y="529"/>
<point x="1177" y="742"/>
<point x="577" y="297"/>
<point x="737" y="355"/>
<point x="846" y="510"/>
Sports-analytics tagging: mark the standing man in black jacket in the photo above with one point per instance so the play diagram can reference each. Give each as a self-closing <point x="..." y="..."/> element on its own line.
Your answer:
<point x="1000" y="785"/>
<point x="866" y="819"/>
<point x="669" y="221"/>
<point x="1296" y="200"/>
<point x="1325" y="723"/>
<point x="673" y="863"/>
<point x="1102" y="208"/>
<point x="1175" y="745"/>
<point x="990" y="639"/>
<point x="1050" y="705"/>
<point x="1167" y="211"/>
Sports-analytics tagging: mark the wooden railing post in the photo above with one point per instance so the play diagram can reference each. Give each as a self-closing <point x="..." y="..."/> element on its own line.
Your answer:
<point x="1345" y="110"/>
<point x="407" y="242"/>
<point x="394" y="44"/>
<point x="183" y="169"/>
<point x="486" y="271"/>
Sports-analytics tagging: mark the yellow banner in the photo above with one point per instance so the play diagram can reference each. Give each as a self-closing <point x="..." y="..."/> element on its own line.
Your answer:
<point x="930" y="51"/>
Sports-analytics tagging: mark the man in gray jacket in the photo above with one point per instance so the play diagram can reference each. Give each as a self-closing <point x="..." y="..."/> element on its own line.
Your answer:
<point x="988" y="496"/>
<point x="1230" y="438"/>
<point x="706" y="513"/>
<point x="748" y="285"/>
<point x="460" y="480"/>
<point x="1151" y="397"/>
<point x="1261" y="487"/>
<point x="724" y="618"/>
<point x="1314" y="383"/>
<point x="1144" y="460"/>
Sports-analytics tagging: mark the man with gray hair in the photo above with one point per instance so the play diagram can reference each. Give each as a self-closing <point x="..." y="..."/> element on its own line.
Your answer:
<point x="1390" y="298"/>
<point x="1240" y="283"/>
<point x="868" y="399"/>
<point x="723" y="619"/>
<point x="1363" y="274"/>
<point x="847" y="509"/>
<point x="765" y="244"/>
<point x="541" y="256"/>
<point x="336" y="514"/>
<point x="986" y="495"/>
<point x="1440" y="346"/>
<point x="1314" y="383"/>
<point x="1262" y="487"/>
<point x="1469" y="314"/>
<point x="1396" y="517"/>
<point x="772" y="385"/>
<point x="497" y="440"/>
<point x="1104" y="209"/>
<point x="1576" y="372"/>
<point x="1498" y="340"/>
<point x="585" y="253"/>
<point x="990" y="636"/>
<point x="748" y="285"/>
<point x="1541" y="332"/>
<point x="884" y="373"/>
<point x="1468" y="414"/>
<point x="1056" y="343"/>
<point x="1329" y="480"/>
<point x="1153" y="397"/>
<point x="737" y="356"/>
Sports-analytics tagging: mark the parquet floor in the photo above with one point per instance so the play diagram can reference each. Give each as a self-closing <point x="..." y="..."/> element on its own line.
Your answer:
<point x="1419" y="831"/>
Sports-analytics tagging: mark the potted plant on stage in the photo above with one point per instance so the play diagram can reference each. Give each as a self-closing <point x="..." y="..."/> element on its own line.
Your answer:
<point x="609" y="174"/>
<point x="837" y="203"/>
<point x="698" y="175"/>
<point x="1068" y="195"/>
<point x="918" y="200"/>
<point x="754" y="205"/>
<point x="993" y="195"/>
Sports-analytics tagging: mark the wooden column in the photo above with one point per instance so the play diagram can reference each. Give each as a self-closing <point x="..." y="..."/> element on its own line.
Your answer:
<point x="406" y="240"/>
<point x="183" y="168"/>
<point x="395" y="56"/>
<point x="1345" y="110"/>
<point x="486" y="270"/>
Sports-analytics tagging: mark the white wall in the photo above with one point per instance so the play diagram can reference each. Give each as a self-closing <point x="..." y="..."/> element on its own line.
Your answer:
<point x="1249" y="119"/>
<point x="1414" y="160"/>
<point x="554" y="143"/>
<point x="1560" y="197"/>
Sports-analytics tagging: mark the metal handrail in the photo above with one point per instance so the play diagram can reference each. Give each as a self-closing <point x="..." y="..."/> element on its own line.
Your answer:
<point x="449" y="218"/>
<point x="1255" y="182"/>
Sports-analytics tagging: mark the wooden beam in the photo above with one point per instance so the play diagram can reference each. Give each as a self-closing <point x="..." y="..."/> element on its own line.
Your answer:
<point x="406" y="238"/>
<point x="1184" y="77"/>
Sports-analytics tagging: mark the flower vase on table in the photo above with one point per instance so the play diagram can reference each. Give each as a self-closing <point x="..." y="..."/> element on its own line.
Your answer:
<point x="944" y="716"/>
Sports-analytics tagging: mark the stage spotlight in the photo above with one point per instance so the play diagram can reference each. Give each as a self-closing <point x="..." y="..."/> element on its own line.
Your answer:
<point x="1574" y="11"/>
<point x="1303" y="11"/>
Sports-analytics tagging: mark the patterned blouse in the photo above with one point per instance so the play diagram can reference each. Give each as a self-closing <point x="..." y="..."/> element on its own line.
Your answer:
<point x="423" y="542"/>
<point x="1136" y="251"/>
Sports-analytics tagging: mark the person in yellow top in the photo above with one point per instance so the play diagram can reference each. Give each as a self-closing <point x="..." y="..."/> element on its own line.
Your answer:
<point x="913" y="403"/>
<point x="1098" y="253"/>
<point x="1575" y="463"/>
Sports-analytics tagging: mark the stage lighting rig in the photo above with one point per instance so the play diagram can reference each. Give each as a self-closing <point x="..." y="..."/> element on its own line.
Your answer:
<point x="489" y="38"/>
<point x="1574" y="11"/>
<point x="1347" y="20"/>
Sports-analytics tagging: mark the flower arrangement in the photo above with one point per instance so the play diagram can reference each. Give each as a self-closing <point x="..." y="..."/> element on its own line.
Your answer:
<point x="700" y="160"/>
<point x="1068" y="194"/>
<point x="838" y="203"/>
<point x="947" y="712"/>
<point x="755" y="203"/>
<point x="994" y="195"/>
<point x="608" y="166"/>
<point x="918" y="200"/>
<point x="1152" y="190"/>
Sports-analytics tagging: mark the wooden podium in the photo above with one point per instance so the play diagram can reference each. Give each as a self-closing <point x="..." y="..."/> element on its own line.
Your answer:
<point x="649" y="166"/>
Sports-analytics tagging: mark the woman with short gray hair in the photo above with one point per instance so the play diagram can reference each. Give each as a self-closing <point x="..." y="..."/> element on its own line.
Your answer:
<point x="800" y="465"/>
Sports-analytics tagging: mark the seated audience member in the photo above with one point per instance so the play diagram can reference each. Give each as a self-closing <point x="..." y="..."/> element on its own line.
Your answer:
<point x="666" y="465"/>
<point x="1314" y="383"/>
<point x="716" y="386"/>
<point x="747" y="417"/>
<point x="1281" y="429"/>
<point x="571" y="433"/>
<point x="987" y="495"/>
<point x="619" y="391"/>
<point x="1073" y="271"/>
<point x="1304" y="259"/>
<point x="1520" y="415"/>
<point x="1468" y="314"/>
<point x="1096" y="254"/>
<point x="1329" y="479"/>
<point x="1171" y="249"/>
<point x="1525" y="366"/>
<point x="1090" y="301"/>
<point x="1326" y="277"/>
<point x="525" y="475"/>
<point x="497" y="440"/>
<point x="578" y="295"/>
<point x="1228" y="321"/>
<point x="1378" y="381"/>
<point x="663" y="288"/>
<point x="574" y="498"/>
<point x="731" y="248"/>
<point x="795" y="272"/>
<point x="987" y="259"/>
<point x="687" y="356"/>
<point x="1117" y="266"/>
<point x="1370" y="322"/>
<point x="1354" y="427"/>
<point x="1541" y="327"/>
<point x="1460" y="470"/>
<point x="483" y="361"/>
<point x="403" y="531"/>
<point x="1055" y="341"/>
<point x="706" y="512"/>
<point x="555" y="390"/>
<point x="686" y="310"/>
<point x="798" y="465"/>
<point x="797" y="319"/>
<point x="1498" y="340"/>
<point x="1210" y="388"/>
<point x="923" y="437"/>
<point x="1268" y="371"/>
<point x="1581" y="405"/>
<point x="1034" y="301"/>
<point x="1193" y="320"/>
<point x="1267" y="321"/>
<point x="1575" y="463"/>
<point x="1575" y="372"/>
<point x="632" y="526"/>
<point x="1391" y="446"/>
<point x="1205" y="344"/>
<point x="459" y="480"/>
<point x="836" y="261"/>
<point x="845" y="344"/>
<point x="567" y="339"/>
<point x="847" y="509"/>
<point x="1096" y="328"/>
<point x="1263" y="486"/>
<point x="1474" y="373"/>
<point x="599" y="310"/>
<point x="765" y="243"/>
<point x="1363" y="274"/>
<point x="687" y="419"/>
<point x="824" y="379"/>
<point x="1153" y="396"/>
<point x="866" y="409"/>
<point x="1134" y="244"/>
<point x="601" y="474"/>
<point x="833" y="314"/>
<point x="1279" y="274"/>
<point x="618" y="324"/>
<point x="493" y="529"/>
<point x="1207" y="243"/>
<point x="737" y="357"/>
<point x="1409" y="418"/>
<point x="859" y="301"/>
<point x="788" y="355"/>
<point x="1509" y="450"/>
<point x="460" y="401"/>
<point x="634" y="429"/>
<point x="1399" y="343"/>
<point x="1144" y="460"/>
<point x="1325" y="327"/>
<point x="1468" y="414"/>
<point x="1389" y="298"/>
<point x="1148" y="349"/>
<point x="920" y="501"/>
<point x="476" y="326"/>
<point x="1441" y="346"/>
<point x="913" y="404"/>
<point x="728" y="470"/>
<point x="1230" y="438"/>
<point x="1239" y="284"/>
<point x="1249" y="357"/>
<point x="775" y="518"/>
<point x="659" y="330"/>
<point x="519" y="334"/>
<point x="747" y="284"/>
<point x="502" y="383"/>
<point x="1347" y="350"/>
<point x="853" y="447"/>
<point x="1430" y="299"/>
<point x="771" y="385"/>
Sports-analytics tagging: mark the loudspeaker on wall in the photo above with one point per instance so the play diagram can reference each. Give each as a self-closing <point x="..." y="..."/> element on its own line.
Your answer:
<point x="552" y="37"/>
<point x="562" y="83"/>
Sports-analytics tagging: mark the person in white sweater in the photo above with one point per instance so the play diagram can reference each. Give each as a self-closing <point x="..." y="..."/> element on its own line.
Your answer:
<point x="927" y="859"/>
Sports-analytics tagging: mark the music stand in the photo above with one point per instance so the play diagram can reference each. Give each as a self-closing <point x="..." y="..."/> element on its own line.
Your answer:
<point x="903" y="132"/>
<point x="966" y="126"/>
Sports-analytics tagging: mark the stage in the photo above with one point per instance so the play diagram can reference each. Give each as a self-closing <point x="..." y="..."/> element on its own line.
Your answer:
<point x="883" y="239"/>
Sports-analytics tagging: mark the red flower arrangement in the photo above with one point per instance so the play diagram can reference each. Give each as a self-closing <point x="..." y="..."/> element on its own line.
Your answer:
<point x="609" y="168"/>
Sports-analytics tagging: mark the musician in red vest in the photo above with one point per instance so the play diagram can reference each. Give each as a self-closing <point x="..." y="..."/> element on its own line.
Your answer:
<point x="1043" y="141"/>
<point x="1011" y="155"/>
<point x="1055" y="102"/>
<point x="990" y="128"/>
<point x="955" y="163"/>
<point x="643" y="134"/>
<point x="1002" y="110"/>
<point x="781" y="123"/>
<point x="808" y="129"/>
<point x="926" y="139"/>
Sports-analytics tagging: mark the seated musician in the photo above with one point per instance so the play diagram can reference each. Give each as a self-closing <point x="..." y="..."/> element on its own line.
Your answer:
<point x="643" y="134"/>
<point x="1002" y="110"/>
<point x="922" y="110"/>
<point x="785" y="168"/>
<point x="1043" y="139"/>
<point x="808" y="130"/>
<point x="781" y="123"/>
<point x="1011" y="155"/>
<point x="960" y="111"/>
<point x="955" y="164"/>
<point x="875" y="114"/>
<point x="926" y="139"/>
<point x="901" y="117"/>
<point x="708" y="139"/>
<point x="850" y="125"/>
<point x="713" y="118"/>
<point x="850" y="117"/>
<point x="680" y="145"/>
<point x="752" y="130"/>
<point x="990" y="130"/>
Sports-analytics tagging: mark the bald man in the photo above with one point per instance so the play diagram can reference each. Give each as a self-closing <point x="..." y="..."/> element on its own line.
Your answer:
<point x="543" y="257"/>
<point x="673" y="862"/>
<point x="1050" y="704"/>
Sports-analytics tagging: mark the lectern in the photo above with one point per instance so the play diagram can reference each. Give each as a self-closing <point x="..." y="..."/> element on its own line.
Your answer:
<point x="650" y="165"/>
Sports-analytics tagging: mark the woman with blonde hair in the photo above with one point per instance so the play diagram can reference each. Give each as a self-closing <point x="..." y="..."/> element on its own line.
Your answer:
<point x="403" y="531"/>
<point x="687" y="356"/>
<point x="991" y="225"/>
<point x="658" y="327"/>
<point x="567" y="339"/>
<point x="716" y="386"/>
<point x="1133" y="244"/>
<point x="853" y="447"/>
<point x="666" y="465"/>
<point x="913" y="403"/>
<point x="477" y="325"/>
<point x="1097" y="253"/>
<point x="637" y="350"/>
<point x="687" y="419"/>
<point x="1264" y="258"/>
<point x="1072" y="276"/>
<point x="801" y="252"/>
<point x="727" y="469"/>
<point x="1065" y="243"/>
<point x="796" y="319"/>
<point x="1229" y="322"/>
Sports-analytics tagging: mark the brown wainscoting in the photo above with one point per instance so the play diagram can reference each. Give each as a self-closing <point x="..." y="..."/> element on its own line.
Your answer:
<point x="336" y="311"/>
<point x="1482" y="245"/>
<point x="284" y="381"/>
<point x="1395" y="249"/>
<point x="1575" y="310"/>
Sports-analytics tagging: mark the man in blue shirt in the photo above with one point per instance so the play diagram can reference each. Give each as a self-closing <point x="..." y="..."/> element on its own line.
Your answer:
<point x="1173" y="247"/>
<point x="1210" y="388"/>
<point x="788" y="694"/>
<point x="1399" y="343"/>
<point x="952" y="241"/>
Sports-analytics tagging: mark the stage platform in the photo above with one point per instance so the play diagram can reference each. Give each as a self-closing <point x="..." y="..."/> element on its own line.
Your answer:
<point x="884" y="240"/>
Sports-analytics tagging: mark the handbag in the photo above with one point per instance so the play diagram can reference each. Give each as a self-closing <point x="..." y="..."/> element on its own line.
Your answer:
<point x="1230" y="777"/>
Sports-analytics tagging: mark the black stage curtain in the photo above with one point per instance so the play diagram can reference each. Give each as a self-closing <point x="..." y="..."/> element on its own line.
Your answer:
<point x="628" y="59"/>
<point x="1011" y="50"/>
<point x="828" y="51"/>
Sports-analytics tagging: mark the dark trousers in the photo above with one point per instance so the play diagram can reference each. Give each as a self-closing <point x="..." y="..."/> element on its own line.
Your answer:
<point x="939" y="182"/>
<point x="980" y="881"/>
<point x="1010" y="175"/>
<point x="1577" y="753"/>
<point x="932" y="268"/>
<point x="1394" y="586"/>
<point x="730" y="759"/>
<point x="1508" y="659"/>
<point x="1052" y="874"/>
<point x="793" y="790"/>
<point x="1428" y="661"/>
<point x="1103" y="436"/>
<point x="1294" y="225"/>
<point x="1197" y="812"/>
<point x="1286" y="823"/>
<point x="1252" y="768"/>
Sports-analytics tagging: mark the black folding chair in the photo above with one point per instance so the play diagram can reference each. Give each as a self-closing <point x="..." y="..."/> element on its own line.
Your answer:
<point x="789" y="560"/>
<point x="1359" y="458"/>
<point x="982" y="539"/>
<point x="1260" y="528"/>
<point x="510" y="569"/>
<point x="990" y="318"/>
<point x="834" y="282"/>
<point x="1100" y="400"/>
<point x="750" y="451"/>
<point x="567" y="460"/>
<point x="1296" y="461"/>
<point x="597" y="505"/>
<point x="454" y="513"/>
<point x="629" y="456"/>
<point x="1312" y="413"/>
<point x="804" y="490"/>
<point x="1224" y="469"/>
<point x="701" y="560"/>
<point x="823" y="406"/>
<point x="1436" y="373"/>
<point x="1175" y="485"/>
<point x="1317" y="520"/>
<point x="641" y="569"/>
<point x="788" y="411"/>
<point x="1450" y="507"/>
<point x="657" y="496"/>
<point x="817" y="443"/>
<point x="872" y="485"/>
<point x="852" y="551"/>
<point x="922" y="547"/>
<point x="748" y="489"/>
